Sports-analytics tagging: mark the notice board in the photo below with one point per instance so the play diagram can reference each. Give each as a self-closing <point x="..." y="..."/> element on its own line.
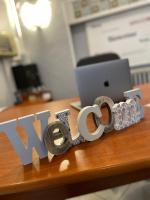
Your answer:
<point x="128" y="36"/>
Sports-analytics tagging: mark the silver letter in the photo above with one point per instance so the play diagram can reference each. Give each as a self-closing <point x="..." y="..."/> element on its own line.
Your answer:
<point x="53" y="132"/>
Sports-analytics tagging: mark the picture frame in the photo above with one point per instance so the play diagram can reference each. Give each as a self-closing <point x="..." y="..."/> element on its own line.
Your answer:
<point x="7" y="45"/>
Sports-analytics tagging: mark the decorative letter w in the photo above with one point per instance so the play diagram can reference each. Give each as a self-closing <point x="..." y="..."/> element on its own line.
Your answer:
<point x="9" y="128"/>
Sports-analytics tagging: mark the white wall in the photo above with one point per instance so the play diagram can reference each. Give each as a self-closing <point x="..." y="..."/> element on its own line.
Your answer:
<point x="50" y="49"/>
<point x="79" y="35"/>
<point x="6" y="83"/>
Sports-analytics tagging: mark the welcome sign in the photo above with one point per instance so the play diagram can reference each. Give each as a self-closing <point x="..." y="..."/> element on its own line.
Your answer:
<point x="121" y="115"/>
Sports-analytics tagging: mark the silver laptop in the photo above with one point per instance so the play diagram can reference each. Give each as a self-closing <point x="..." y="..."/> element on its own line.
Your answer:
<point x="110" y="79"/>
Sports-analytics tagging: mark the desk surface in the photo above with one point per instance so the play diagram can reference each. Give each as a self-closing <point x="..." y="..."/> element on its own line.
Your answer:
<point x="114" y="159"/>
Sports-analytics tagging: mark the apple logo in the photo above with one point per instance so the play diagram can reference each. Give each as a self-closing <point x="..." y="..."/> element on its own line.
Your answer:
<point x="106" y="83"/>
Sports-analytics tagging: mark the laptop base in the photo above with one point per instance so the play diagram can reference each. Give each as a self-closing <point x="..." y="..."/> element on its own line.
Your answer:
<point x="76" y="105"/>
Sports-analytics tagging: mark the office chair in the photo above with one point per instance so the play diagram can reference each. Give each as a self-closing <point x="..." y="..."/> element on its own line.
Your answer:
<point x="97" y="59"/>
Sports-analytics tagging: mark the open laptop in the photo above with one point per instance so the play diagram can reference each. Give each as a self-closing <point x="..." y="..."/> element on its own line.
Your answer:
<point x="110" y="79"/>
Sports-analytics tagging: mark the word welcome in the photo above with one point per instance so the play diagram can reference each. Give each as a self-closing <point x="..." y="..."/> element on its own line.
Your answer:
<point x="121" y="115"/>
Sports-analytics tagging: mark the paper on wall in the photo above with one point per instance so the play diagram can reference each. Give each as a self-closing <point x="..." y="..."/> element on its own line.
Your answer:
<point x="128" y="36"/>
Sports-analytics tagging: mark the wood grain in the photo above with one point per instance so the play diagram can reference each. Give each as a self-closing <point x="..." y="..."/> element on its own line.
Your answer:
<point x="116" y="158"/>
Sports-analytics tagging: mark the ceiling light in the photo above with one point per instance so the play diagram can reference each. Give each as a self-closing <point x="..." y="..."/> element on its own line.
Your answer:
<point x="37" y="15"/>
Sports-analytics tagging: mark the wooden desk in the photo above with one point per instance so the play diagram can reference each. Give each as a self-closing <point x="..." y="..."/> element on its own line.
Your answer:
<point x="114" y="159"/>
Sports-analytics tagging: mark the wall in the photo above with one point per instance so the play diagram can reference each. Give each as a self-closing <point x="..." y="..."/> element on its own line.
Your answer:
<point x="79" y="39"/>
<point x="6" y="83"/>
<point x="79" y="31"/>
<point x="50" y="49"/>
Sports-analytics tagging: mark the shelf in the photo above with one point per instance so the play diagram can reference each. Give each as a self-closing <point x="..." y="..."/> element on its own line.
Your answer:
<point x="110" y="12"/>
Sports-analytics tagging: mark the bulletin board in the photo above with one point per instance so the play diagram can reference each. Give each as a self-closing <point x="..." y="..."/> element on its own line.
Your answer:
<point x="128" y="36"/>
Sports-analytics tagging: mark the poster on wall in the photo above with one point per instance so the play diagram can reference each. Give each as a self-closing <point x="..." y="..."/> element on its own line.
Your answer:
<point x="129" y="37"/>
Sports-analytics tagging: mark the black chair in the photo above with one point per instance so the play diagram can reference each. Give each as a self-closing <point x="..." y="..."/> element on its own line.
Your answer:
<point x="97" y="59"/>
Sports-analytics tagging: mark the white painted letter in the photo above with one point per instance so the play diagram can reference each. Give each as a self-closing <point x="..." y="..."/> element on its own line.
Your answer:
<point x="33" y="141"/>
<point x="82" y="126"/>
